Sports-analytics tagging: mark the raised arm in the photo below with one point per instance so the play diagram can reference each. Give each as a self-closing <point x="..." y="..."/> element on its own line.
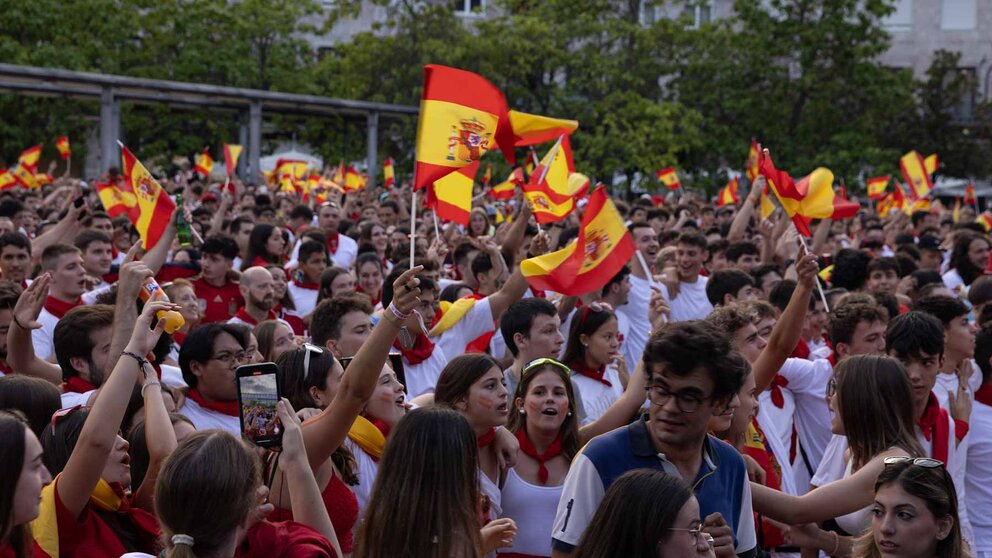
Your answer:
<point x="155" y="258"/>
<point x="515" y="235"/>
<point x="515" y="287"/>
<point x="160" y="436"/>
<point x="20" y="347"/>
<point x="327" y="431"/>
<point x="787" y="330"/>
<point x="746" y="211"/>
<point x="99" y="433"/>
<point x="66" y="228"/>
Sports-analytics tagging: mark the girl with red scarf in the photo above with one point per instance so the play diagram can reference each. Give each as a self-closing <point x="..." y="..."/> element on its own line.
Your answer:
<point x="592" y="351"/>
<point x="369" y="268"/>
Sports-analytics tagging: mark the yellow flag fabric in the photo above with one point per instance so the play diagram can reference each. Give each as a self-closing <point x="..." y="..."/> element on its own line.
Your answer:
<point x="931" y="163"/>
<point x="531" y="129"/>
<point x="915" y="172"/>
<point x="451" y="313"/>
<point x="154" y="205"/>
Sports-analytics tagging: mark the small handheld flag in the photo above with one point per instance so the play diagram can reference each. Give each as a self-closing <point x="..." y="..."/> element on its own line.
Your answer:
<point x="388" y="174"/>
<point x="876" y="187"/>
<point x="204" y="163"/>
<point x="232" y="152"/>
<point x="62" y="144"/>
<point x="669" y="178"/>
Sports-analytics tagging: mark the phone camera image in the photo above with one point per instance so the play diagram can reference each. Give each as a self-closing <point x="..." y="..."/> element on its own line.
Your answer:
<point x="258" y="408"/>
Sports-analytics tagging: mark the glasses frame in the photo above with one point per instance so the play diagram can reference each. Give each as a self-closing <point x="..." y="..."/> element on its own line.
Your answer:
<point x="925" y="462"/>
<point x="678" y="403"/>
<point x="697" y="534"/>
<point x="237" y="361"/>
<point x="309" y="348"/>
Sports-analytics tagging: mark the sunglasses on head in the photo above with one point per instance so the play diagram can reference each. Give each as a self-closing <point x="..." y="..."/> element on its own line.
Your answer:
<point x="925" y="462"/>
<point x="310" y="349"/>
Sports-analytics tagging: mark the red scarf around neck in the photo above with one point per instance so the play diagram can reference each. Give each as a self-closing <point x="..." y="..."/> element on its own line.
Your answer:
<point x="936" y="424"/>
<point x="76" y="384"/>
<point x="302" y="285"/>
<point x="595" y="373"/>
<point x="486" y="439"/>
<point x="777" y="384"/>
<point x="229" y="408"/>
<point x="422" y="349"/>
<point x="332" y="242"/>
<point x="984" y="394"/>
<point x="552" y="451"/>
<point x="374" y="298"/>
<point x="380" y="425"/>
<point x="244" y="316"/>
<point x="58" y="308"/>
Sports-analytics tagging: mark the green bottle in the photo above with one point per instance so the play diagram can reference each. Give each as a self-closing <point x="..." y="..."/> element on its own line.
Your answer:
<point x="183" y="231"/>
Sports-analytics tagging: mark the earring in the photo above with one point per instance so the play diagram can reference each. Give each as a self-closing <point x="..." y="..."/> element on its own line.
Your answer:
<point x="522" y="412"/>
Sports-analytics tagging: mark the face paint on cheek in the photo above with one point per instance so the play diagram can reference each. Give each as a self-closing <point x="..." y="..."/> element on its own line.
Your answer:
<point x="387" y="397"/>
<point x="485" y="402"/>
<point x="533" y="406"/>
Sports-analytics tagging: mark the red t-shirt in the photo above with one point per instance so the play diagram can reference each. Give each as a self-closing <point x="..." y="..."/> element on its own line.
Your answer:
<point x="287" y="539"/>
<point x="342" y="506"/>
<point x="218" y="303"/>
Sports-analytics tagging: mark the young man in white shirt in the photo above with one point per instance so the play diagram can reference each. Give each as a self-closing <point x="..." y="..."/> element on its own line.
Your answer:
<point x="305" y="285"/>
<point x="342" y="249"/>
<point x="690" y="302"/>
<point x="65" y="263"/>
<point x="959" y="346"/>
<point x="342" y="323"/>
<point x="98" y="257"/>
<point x="208" y="358"/>
<point x="978" y="464"/>
<point x="639" y="294"/>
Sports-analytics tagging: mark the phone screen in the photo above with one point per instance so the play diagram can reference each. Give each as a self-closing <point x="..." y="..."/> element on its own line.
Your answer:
<point x="258" y="392"/>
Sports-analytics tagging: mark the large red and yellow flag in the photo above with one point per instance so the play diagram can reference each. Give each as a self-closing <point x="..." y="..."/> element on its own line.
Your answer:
<point x="876" y="187"/>
<point x="388" y="174"/>
<point x="462" y="116"/>
<point x="232" y="152"/>
<point x="154" y="205"/>
<point x="204" y="163"/>
<point x="729" y="194"/>
<point x="602" y="248"/>
<point x="752" y="161"/>
<point x="914" y="170"/>
<point x="548" y="206"/>
<point x="24" y="176"/>
<point x="531" y="129"/>
<point x="451" y="196"/>
<point x="669" y="177"/>
<point x="29" y="158"/>
<point x="813" y="197"/>
<point x="116" y="201"/>
<point x="505" y="190"/>
<point x="931" y="163"/>
<point x="7" y="180"/>
<point x="969" y="194"/>
<point x="353" y="180"/>
<point x="62" y="144"/>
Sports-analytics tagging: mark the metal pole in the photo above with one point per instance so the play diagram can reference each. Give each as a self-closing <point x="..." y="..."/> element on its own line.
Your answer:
<point x="242" y="169"/>
<point x="373" y="146"/>
<point x="254" y="141"/>
<point x="110" y="130"/>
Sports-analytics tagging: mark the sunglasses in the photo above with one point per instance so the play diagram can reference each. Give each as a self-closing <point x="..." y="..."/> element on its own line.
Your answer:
<point x="310" y="349"/>
<point x="925" y="462"/>
<point x="542" y="361"/>
<point x="588" y="309"/>
<point x="61" y="414"/>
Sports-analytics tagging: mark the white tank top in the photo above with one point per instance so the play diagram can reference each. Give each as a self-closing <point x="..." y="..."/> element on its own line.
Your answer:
<point x="855" y="523"/>
<point x="533" y="509"/>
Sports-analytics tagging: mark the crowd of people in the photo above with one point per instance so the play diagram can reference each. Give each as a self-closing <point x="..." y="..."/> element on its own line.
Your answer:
<point x="734" y="390"/>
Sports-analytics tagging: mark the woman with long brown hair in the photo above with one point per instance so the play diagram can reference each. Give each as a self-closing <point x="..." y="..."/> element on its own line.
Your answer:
<point x="22" y="475"/>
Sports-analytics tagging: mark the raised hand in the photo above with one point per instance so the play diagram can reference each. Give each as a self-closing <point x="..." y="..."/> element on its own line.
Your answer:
<point x="144" y="337"/>
<point x="31" y="301"/>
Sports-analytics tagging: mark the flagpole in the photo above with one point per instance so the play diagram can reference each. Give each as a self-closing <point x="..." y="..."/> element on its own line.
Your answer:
<point x="647" y="272"/>
<point x="819" y="287"/>
<point x="437" y="229"/>
<point x="413" y="225"/>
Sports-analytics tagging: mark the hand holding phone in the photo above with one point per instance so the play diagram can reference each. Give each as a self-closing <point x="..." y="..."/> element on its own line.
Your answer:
<point x="258" y="393"/>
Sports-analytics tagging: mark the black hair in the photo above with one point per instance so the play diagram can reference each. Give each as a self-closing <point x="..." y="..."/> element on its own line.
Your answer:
<point x="617" y="279"/>
<point x="724" y="282"/>
<point x="301" y="212"/>
<point x="586" y="321"/>
<point x="309" y="248"/>
<point x="519" y="318"/>
<point x="737" y="249"/>
<point x="944" y="308"/>
<point x="913" y="335"/>
<point x="450" y="293"/>
<point x="35" y="398"/>
<point x="888" y="301"/>
<point x="426" y="284"/>
<point x="983" y="352"/>
<point x="884" y="264"/>
<point x="693" y="238"/>
<point x="221" y="245"/>
<point x="15" y="239"/>
<point x="850" y="269"/>
<point x="781" y="294"/>
<point x="483" y="264"/>
<point x="681" y="348"/>
<point x="461" y="252"/>
<point x="199" y="346"/>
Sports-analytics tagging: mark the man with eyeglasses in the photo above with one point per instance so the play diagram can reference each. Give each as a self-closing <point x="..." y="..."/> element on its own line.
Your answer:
<point x="690" y="379"/>
<point x="208" y="358"/>
<point x="342" y="249"/>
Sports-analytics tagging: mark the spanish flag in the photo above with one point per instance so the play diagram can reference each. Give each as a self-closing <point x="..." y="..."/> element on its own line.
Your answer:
<point x="546" y="205"/>
<point x="914" y="170"/>
<point x="752" y="161"/>
<point x="232" y="152"/>
<point x="462" y="116"/>
<point x="29" y="158"/>
<point x="531" y="129"/>
<point x="668" y="176"/>
<point x="969" y="194"/>
<point x="985" y="219"/>
<point x="876" y="187"/>
<point x="922" y="204"/>
<point x="531" y="162"/>
<point x="62" y="144"/>
<point x="505" y="190"/>
<point x="7" y="180"/>
<point x="931" y="163"/>
<point x="601" y="249"/>
<point x="389" y="176"/>
<point x="489" y="174"/>
<point x="729" y="194"/>
<point x="557" y="166"/>
<point x="552" y="189"/>
<point x="896" y="200"/>
<point x="767" y="205"/>
<point x="353" y="180"/>
<point x="25" y="176"/>
<point x="813" y="197"/>
<point x="204" y="163"/>
<point x="290" y="174"/>
<point x="451" y="196"/>
<point x="115" y="201"/>
<point x="154" y="205"/>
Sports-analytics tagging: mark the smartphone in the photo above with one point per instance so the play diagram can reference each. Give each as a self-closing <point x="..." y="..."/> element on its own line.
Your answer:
<point x="78" y="202"/>
<point x="395" y="362"/>
<point x="258" y="392"/>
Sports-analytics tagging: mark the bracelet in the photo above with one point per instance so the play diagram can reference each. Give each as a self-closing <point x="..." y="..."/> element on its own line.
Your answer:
<point x="836" y="543"/>
<point x="392" y="319"/>
<point x="19" y="324"/>
<point x="151" y="383"/>
<point x="396" y="312"/>
<point x="141" y="362"/>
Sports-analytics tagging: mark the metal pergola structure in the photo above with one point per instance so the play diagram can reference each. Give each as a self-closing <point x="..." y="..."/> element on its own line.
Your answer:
<point x="112" y="89"/>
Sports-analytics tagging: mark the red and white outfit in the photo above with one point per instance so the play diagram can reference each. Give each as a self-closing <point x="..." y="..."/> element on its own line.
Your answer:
<point x="978" y="479"/>
<point x="242" y="317"/>
<point x="218" y="304"/>
<point x="222" y="415"/>
<point x="595" y="390"/>
<point x="342" y="249"/>
<point x="51" y="313"/>
<point x="304" y="296"/>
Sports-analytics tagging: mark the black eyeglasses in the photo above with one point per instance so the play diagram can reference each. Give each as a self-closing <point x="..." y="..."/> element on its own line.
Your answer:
<point x="685" y="401"/>
<point x="231" y="359"/>
<point x="698" y="536"/>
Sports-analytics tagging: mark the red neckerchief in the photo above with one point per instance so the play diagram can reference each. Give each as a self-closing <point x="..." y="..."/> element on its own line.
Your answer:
<point x="332" y="242"/>
<point x="259" y="261"/>
<point x="5" y="368"/>
<point x="381" y="425"/>
<point x="302" y="285"/>
<point x="375" y="299"/>
<point x="984" y="394"/>
<point x="777" y="384"/>
<point x="76" y="384"/>
<point x="178" y="337"/>
<point x="229" y="408"/>
<point x="595" y="374"/>
<point x="486" y="439"/>
<point x="58" y="308"/>
<point x="801" y="350"/>
<point x="935" y="424"/>
<point x="552" y="451"/>
<point x="421" y="350"/>
<point x="244" y="316"/>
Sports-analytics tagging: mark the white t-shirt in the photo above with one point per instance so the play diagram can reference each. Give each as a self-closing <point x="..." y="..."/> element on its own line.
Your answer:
<point x="691" y="303"/>
<point x="807" y="382"/>
<point x="979" y="478"/>
<point x="71" y="399"/>
<point x="204" y="419"/>
<point x="952" y="280"/>
<point x="347" y="252"/>
<point x="304" y="298"/>
<point x="635" y="313"/>
<point x="366" y="471"/>
<point x="947" y="382"/>
<point x="43" y="337"/>
<point x="596" y="397"/>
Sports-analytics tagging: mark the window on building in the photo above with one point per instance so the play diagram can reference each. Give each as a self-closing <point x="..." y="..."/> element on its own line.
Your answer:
<point x="328" y="4"/>
<point x="958" y="15"/>
<point x="964" y="109"/>
<point x="470" y="7"/>
<point x="650" y="12"/>
<point x="901" y="19"/>
<point x="699" y="13"/>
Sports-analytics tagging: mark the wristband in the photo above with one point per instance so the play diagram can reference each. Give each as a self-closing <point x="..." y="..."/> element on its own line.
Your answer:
<point x="150" y="383"/>
<point x="396" y="312"/>
<point x="141" y="362"/>
<point x="836" y="543"/>
<point x="19" y="324"/>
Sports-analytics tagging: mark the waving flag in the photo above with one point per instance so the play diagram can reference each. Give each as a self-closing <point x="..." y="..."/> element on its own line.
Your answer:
<point x="505" y="190"/>
<point x="969" y="194"/>
<point x="914" y="170"/>
<point x="353" y="180"/>
<point x="7" y="180"/>
<point x="601" y="249"/>
<point x="876" y="187"/>
<point x="451" y="196"/>
<point x="489" y="174"/>
<point x="553" y="188"/>
<point x="204" y="163"/>
<point x="813" y="197"/>
<point x="290" y="175"/>
<point x="462" y="116"/>
<point x="389" y="177"/>
<point x="985" y="219"/>
<point x="154" y="206"/>
<point x="232" y="152"/>
<point x="752" y="161"/>
<point x="29" y="158"/>
<point x="669" y="177"/>
<point x="62" y="144"/>
<point x="531" y="129"/>
<point x="931" y="163"/>
<point x="116" y="201"/>
<point x="729" y="194"/>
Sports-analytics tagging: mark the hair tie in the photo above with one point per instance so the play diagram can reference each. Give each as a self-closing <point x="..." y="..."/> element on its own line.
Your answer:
<point x="182" y="539"/>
